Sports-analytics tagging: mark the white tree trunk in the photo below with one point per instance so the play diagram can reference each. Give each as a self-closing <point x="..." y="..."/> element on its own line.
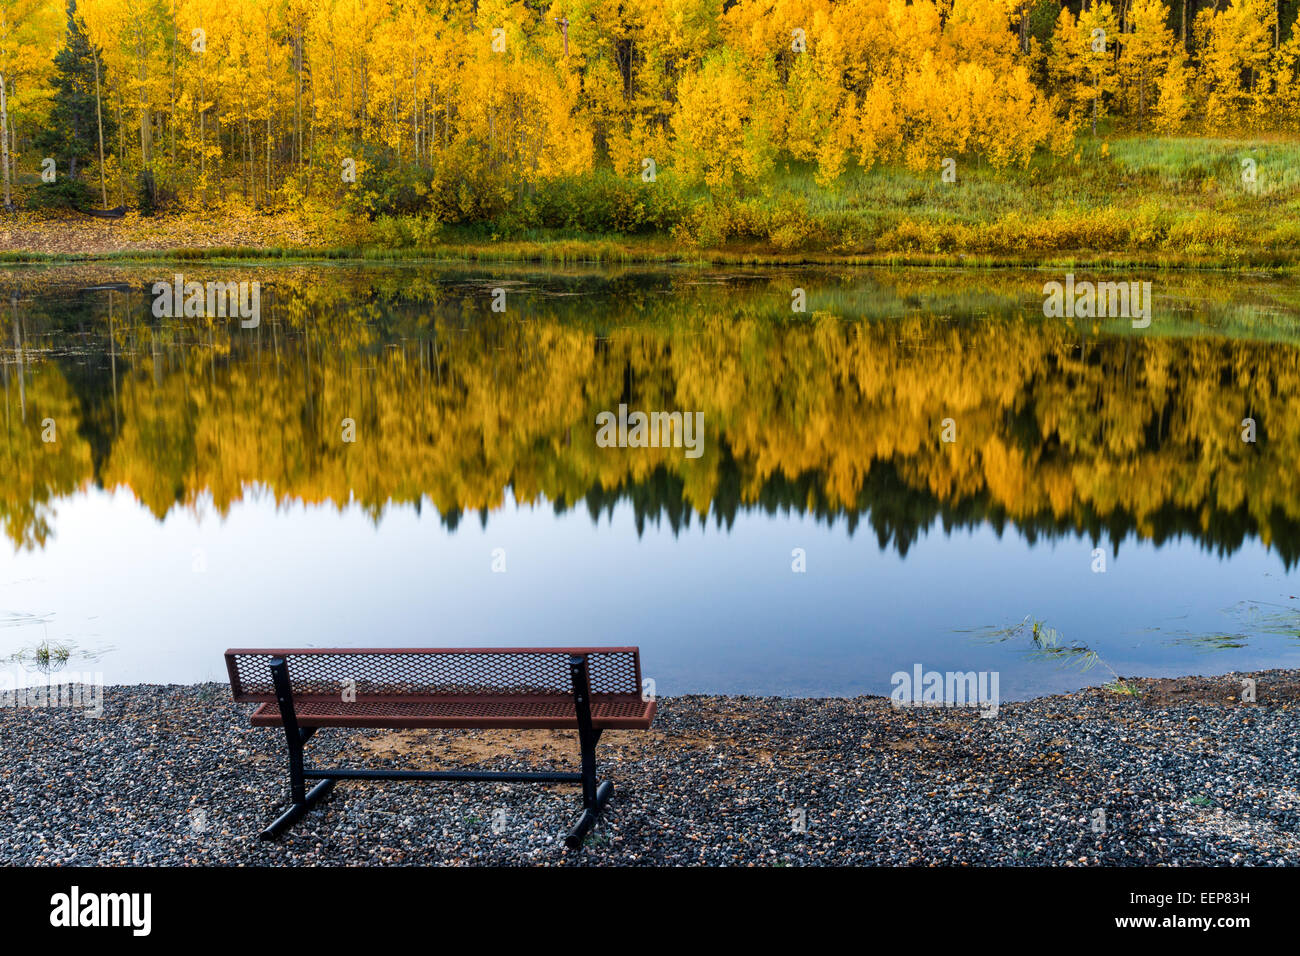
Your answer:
<point x="99" y="119"/>
<point x="4" y="142"/>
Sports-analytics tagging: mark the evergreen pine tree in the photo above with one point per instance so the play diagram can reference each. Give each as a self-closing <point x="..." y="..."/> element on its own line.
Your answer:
<point x="73" y="131"/>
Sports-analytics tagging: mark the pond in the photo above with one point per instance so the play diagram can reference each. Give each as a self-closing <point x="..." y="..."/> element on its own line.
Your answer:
<point x="913" y="471"/>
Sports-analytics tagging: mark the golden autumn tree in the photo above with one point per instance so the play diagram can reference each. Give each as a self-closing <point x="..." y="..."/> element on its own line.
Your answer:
<point x="1145" y="53"/>
<point x="30" y="32"/>
<point x="1278" y="93"/>
<point x="1235" y="45"/>
<point x="951" y="90"/>
<point x="1099" y="31"/>
<point x="723" y="137"/>
<point x="1174" y="88"/>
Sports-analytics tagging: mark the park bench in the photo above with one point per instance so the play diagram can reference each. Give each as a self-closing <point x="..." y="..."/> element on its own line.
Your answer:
<point x="587" y="689"/>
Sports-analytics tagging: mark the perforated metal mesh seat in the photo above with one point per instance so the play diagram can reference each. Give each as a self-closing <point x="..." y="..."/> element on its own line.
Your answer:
<point x="509" y="688"/>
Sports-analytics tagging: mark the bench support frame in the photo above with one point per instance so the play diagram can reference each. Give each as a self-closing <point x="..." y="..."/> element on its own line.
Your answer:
<point x="595" y="794"/>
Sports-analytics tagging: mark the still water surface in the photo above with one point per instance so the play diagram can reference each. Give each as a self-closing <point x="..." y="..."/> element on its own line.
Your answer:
<point x="199" y="493"/>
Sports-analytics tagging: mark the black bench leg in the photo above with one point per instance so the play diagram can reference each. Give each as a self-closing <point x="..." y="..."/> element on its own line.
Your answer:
<point x="297" y="809"/>
<point x="295" y="738"/>
<point x="594" y="796"/>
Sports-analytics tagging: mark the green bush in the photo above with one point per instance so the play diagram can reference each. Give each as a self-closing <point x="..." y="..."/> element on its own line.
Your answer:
<point x="785" y="222"/>
<point x="388" y="189"/>
<point x="64" y="193"/>
<point x="468" y="186"/>
<point x="599" y="202"/>
<point x="152" y="195"/>
<point x="398" y="232"/>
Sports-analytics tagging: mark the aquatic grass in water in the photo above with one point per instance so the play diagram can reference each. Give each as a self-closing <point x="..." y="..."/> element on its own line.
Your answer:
<point x="1047" y="643"/>
<point x="1253" y="621"/>
<point x="46" y="657"/>
<point x="1269" y="618"/>
<point x="1214" y="642"/>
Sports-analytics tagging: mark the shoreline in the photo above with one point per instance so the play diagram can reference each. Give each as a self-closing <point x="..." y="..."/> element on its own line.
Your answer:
<point x="1186" y="773"/>
<point x="601" y="253"/>
<point x="35" y="240"/>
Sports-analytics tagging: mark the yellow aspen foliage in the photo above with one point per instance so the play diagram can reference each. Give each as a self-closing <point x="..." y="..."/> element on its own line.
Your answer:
<point x="959" y="92"/>
<point x="1174" y="94"/>
<point x="1278" y="96"/>
<point x="1099" y="32"/>
<point x="1235" y="44"/>
<point x="1065" y="64"/>
<point x="1145" y="54"/>
<point x="457" y="110"/>
<point x="813" y="97"/>
<point x="880" y="125"/>
<point x="722" y="134"/>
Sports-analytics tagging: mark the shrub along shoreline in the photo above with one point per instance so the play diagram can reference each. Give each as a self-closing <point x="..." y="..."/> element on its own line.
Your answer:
<point x="63" y="241"/>
<point x="617" y="251"/>
<point x="1122" y="202"/>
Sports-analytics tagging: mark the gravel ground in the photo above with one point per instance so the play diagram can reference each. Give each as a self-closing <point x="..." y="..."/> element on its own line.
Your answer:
<point x="1186" y="773"/>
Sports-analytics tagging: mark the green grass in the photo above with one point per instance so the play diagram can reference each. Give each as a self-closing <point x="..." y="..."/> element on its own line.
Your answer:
<point x="1121" y="201"/>
<point x="1048" y="644"/>
<point x="1123" y="687"/>
<point x="46" y="656"/>
<point x="1187" y="164"/>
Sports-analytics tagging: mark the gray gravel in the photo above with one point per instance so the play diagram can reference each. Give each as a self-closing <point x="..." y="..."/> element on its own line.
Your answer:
<point x="1185" y="773"/>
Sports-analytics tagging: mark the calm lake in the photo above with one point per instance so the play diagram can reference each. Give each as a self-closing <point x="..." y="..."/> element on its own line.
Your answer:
<point x="385" y="460"/>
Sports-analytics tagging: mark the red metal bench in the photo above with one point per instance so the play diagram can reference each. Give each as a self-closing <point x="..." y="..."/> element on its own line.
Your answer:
<point x="587" y="689"/>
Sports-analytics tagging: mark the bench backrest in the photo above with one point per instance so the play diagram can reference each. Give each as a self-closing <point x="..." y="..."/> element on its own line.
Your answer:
<point x="433" y="672"/>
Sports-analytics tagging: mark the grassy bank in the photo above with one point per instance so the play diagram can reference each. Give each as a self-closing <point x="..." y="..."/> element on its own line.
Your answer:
<point x="614" y="252"/>
<point x="1117" y="202"/>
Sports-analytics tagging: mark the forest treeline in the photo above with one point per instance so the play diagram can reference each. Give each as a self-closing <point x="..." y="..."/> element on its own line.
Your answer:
<point x="456" y="110"/>
<point x="1059" y="431"/>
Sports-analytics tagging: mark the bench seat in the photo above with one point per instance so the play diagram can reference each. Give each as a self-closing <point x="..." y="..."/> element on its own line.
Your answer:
<point x="513" y="712"/>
